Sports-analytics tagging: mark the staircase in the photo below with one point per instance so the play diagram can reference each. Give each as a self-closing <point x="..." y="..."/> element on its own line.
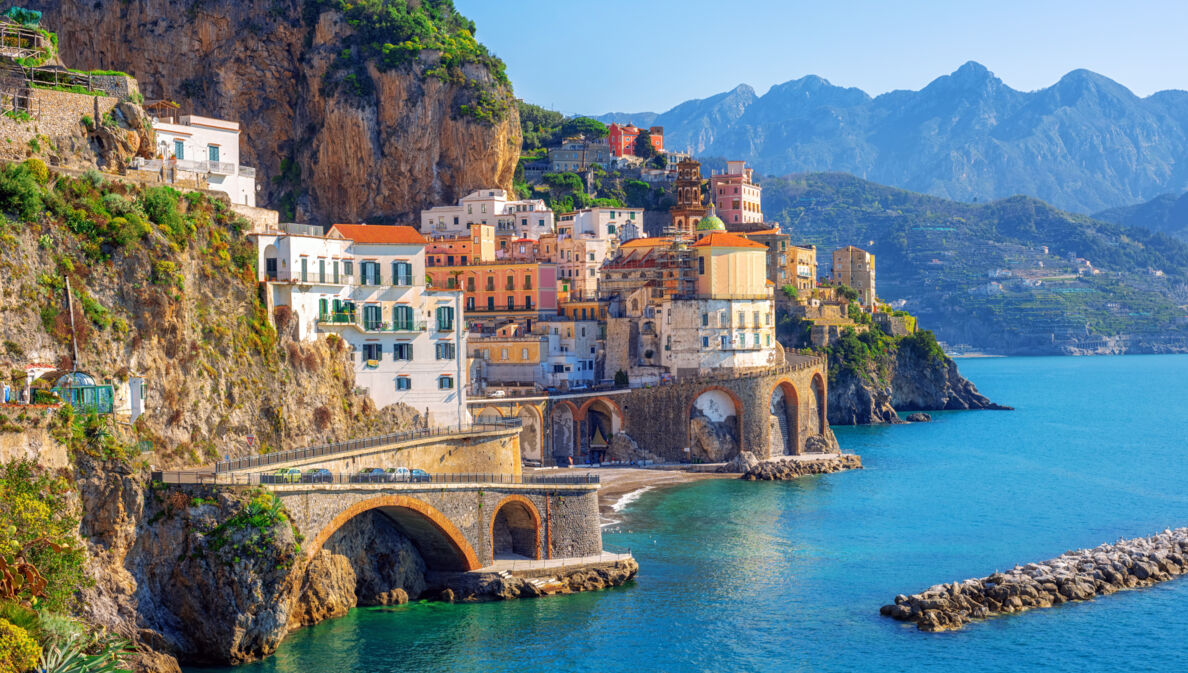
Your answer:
<point x="785" y="438"/>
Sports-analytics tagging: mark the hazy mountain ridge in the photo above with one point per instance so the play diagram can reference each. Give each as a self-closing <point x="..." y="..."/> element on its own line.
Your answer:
<point x="1167" y="213"/>
<point x="1084" y="144"/>
<point x="979" y="274"/>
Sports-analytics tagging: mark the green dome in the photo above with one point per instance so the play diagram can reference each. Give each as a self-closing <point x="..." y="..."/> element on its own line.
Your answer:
<point x="711" y="223"/>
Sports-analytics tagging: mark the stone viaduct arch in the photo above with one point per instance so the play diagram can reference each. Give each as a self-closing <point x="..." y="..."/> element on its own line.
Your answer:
<point x="531" y="434"/>
<point x="515" y="529"/>
<point x="715" y="413"/>
<point x="822" y="400"/>
<point x="784" y="407"/>
<point x="439" y="541"/>
<point x="562" y="421"/>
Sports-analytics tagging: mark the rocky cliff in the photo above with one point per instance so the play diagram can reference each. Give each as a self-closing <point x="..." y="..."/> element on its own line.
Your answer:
<point x="337" y="133"/>
<point x="903" y="378"/>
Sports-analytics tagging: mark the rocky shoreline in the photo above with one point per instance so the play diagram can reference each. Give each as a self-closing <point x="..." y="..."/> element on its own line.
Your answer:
<point x="476" y="587"/>
<point x="794" y="467"/>
<point x="1078" y="575"/>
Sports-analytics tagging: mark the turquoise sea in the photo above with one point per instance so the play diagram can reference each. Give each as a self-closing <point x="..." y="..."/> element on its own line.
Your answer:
<point x="740" y="576"/>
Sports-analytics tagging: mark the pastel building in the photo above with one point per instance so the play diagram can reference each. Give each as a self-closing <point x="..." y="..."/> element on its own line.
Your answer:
<point x="366" y="284"/>
<point x="622" y="139"/>
<point x="577" y="154"/>
<point x="735" y="194"/>
<point x="497" y="291"/>
<point x="209" y="147"/>
<point x="524" y="218"/>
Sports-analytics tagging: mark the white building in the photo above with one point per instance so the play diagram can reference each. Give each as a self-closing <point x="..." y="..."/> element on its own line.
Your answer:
<point x="573" y="353"/>
<point x="525" y="219"/>
<point x="209" y="147"/>
<point x="366" y="283"/>
<point x="619" y="224"/>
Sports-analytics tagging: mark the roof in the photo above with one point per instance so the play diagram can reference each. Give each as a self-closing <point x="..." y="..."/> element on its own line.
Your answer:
<point x="646" y="242"/>
<point x="380" y="233"/>
<point x="721" y="239"/>
<point x="765" y="232"/>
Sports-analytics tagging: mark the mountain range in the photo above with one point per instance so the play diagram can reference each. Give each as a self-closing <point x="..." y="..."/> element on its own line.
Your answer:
<point x="1013" y="276"/>
<point x="1167" y="213"/>
<point x="1084" y="144"/>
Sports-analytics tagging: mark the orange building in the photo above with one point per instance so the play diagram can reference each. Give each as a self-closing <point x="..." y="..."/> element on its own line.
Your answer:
<point x="622" y="139"/>
<point x="501" y="289"/>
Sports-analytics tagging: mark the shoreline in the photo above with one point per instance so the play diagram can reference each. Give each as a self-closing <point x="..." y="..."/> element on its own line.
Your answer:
<point x="623" y="485"/>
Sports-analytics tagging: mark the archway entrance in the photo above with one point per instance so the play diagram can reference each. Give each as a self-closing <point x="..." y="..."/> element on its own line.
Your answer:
<point x="515" y="529"/>
<point x="784" y="421"/>
<point x="603" y="422"/>
<point x="822" y="401"/>
<point x="715" y="420"/>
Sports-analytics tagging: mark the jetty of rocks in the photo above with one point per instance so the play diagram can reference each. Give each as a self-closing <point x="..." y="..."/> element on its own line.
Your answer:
<point x="1073" y="576"/>
<point x="794" y="467"/>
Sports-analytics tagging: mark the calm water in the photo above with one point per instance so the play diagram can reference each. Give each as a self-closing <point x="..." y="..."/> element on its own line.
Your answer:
<point x="790" y="576"/>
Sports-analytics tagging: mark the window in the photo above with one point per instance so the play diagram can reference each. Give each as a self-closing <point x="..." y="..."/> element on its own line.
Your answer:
<point x="742" y="319"/>
<point x="524" y="354"/>
<point x="610" y="228"/>
<point x="528" y="303"/>
<point x="179" y="150"/>
<point x="540" y="223"/>
<point x="401" y="273"/>
<point x="470" y="303"/>
<point x="304" y="270"/>
<point x="528" y="282"/>
<point x="321" y="271"/>
<point x="701" y="266"/>
<point x="445" y="318"/>
<point x="705" y="319"/>
<point x="558" y="369"/>
<point x="402" y="351"/>
<point x="336" y="272"/>
<point x="511" y="282"/>
<point x="490" y="283"/>
<point x="212" y="152"/>
<point x="470" y="287"/>
<point x="502" y="353"/>
<point x="402" y="318"/>
<point x="449" y="260"/>
<point x="756" y="323"/>
<point x="372" y="317"/>
<point x="511" y="303"/>
<point x="370" y="273"/>
<point x="372" y="352"/>
<point x="348" y="267"/>
<point x="403" y="383"/>
<point x="725" y="341"/>
<point x="756" y="338"/>
<point x="469" y="211"/>
<point x="490" y="303"/>
<point x="445" y="351"/>
<point x="445" y="383"/>
<point x="705" y="342"/>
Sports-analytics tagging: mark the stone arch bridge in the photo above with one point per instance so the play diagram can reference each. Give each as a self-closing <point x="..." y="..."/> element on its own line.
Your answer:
<point x="769" y="411"/>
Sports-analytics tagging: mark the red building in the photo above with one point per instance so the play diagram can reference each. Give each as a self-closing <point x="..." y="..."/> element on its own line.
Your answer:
<point x="622" y="139"/>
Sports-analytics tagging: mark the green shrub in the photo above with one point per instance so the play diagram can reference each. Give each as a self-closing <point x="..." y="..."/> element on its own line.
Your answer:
<point x="88" y="122"/>
<point x="70" y="655"/>
<point x="20" y="195"/>
<point x="38" y="168"/>
<point x="18" y="650"/>
<point x="160" y="204"/>
<point x="166" y="273"/>
<point x="789" y="291"/>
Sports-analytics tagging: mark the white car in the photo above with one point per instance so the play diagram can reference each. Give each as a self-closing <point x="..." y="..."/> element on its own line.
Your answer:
<point x="497" y="393"/>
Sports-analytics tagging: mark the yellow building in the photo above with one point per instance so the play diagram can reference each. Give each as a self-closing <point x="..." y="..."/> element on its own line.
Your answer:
<point x="731" y="267"/>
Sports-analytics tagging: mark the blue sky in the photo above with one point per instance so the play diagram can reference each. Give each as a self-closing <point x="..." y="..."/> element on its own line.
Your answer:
<point x="616" y="55"/>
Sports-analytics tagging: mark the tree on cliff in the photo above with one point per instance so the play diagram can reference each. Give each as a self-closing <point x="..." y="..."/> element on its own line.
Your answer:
<point x="643" y="145"/>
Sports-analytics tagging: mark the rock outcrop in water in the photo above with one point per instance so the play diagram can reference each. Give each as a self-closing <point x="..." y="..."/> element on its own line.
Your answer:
<point x="1073" y="576"/>
<point x="794" y="467"/>
<point x="334" y="136"/>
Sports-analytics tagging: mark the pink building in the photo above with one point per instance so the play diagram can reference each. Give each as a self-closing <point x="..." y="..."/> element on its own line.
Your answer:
<point x="735" y="194"/>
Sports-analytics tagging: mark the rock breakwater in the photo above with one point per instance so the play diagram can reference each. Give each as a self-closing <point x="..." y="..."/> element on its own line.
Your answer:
<point x="1077" y="575"/>
<point x="475" y="587"/>
<point x="794" y="467"/>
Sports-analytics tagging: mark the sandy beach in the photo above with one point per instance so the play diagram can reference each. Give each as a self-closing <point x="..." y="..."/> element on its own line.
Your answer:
<point x="619" y="483"/>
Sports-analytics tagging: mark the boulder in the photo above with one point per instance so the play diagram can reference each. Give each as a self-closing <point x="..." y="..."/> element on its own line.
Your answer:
<point x="744" y="462"/>
<point x="919" y="417"/>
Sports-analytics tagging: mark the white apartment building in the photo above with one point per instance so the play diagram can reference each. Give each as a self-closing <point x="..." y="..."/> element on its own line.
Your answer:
<point x="618" y="224"/>
<point x="209" y="147"/>
<point x="524" y="219"/>
<point x="366" y="283"/>
<point x="573" y="353"/>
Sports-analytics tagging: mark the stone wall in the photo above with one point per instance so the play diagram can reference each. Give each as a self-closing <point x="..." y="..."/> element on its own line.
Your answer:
<point x="32" y="444"/>
<point x="58" y="117"/>
<point x="660" y="419"/>
<point x="445" y="518"/>
<point x="496" y="452"/>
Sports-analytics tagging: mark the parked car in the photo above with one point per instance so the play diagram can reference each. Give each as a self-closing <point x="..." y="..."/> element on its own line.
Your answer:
<point x="398" y="473"/>
<point x="317" y="476"/>
<point x="371" y="475"/>
<point x="419" y="476"/>
<point x="497" y="393"/>
<point x="285" y="475"/>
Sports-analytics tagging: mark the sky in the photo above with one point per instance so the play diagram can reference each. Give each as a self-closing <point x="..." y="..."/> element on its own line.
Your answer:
<point x="649" y="55"/>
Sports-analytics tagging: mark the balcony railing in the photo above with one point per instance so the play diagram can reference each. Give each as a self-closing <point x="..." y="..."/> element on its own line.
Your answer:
<point x="222" y="168"/>
<point x="247" y="172"/>
<point x="339" y="318"/>
<point x="395" y="326"/>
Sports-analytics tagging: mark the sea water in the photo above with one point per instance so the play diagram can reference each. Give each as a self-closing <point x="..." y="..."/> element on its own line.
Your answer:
<point x="789" y="576"/>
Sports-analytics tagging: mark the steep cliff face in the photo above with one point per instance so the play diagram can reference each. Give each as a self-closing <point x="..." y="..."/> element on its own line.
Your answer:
<point x="376" y="144"/>
<point x="903" y="379"/>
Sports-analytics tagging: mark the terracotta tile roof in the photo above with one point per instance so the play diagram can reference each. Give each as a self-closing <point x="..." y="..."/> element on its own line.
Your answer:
<point x="380" y="233"/>
<point x="765" y="232"/>
<point x="726" y="240"/>
<point x="642" y="242"/>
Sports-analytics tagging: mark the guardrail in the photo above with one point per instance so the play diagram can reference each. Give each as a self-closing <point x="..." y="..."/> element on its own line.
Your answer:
<point x="365" y="443"/>
<point x="325" y="477"/>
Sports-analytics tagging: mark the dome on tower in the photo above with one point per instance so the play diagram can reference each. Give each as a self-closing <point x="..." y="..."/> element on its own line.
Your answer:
<point x="711" y="222"/>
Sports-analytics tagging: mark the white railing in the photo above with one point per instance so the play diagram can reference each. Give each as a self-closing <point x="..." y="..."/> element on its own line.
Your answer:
<point x="247" y="172"/>
<point x="222" y="168"/>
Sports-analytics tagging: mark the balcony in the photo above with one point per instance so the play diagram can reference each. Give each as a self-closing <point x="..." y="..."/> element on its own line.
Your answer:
<point x="397" y="326"/>
<point x="247" y="172"/>
<point x="342" y="318"/>
<point x="221" y="168"/>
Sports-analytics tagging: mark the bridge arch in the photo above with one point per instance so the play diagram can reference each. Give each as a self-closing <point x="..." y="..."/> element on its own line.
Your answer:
<point x="439" y="541"/>
<point x="531" y="434"/>
<point x="785" y="411"/>
<point x="515" y="528"/>
<point x="713" y="410"/>
<point x="603" y="420"/>
<point x="822" y="401"/>
<point x="563" y="420"/>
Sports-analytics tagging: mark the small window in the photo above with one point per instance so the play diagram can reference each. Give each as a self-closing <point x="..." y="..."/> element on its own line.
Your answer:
<point x="445" y="383"/>
<point x="403" y="383"/>
<point x="524" y="354"/>
<point x="445" y="351"/>
<point x="179" y="150"/>
<point x="213" y="152"/>
<point x="701" y="266"/>
<point x="705" y="342"/>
